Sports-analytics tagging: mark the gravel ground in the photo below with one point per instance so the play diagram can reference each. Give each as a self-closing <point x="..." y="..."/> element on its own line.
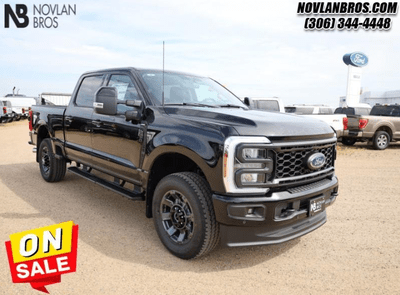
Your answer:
<point x="356" y="252"/>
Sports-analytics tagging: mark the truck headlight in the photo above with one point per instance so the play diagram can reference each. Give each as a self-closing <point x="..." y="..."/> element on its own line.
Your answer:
<point x="247" y="165"/>
<point x="253" y="153"/>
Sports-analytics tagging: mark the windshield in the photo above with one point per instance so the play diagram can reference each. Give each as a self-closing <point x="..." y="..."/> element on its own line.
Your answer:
<point x="188" y="90"/>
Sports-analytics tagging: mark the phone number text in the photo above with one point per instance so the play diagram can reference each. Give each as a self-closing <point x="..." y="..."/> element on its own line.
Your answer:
<point x="344" y="23"/>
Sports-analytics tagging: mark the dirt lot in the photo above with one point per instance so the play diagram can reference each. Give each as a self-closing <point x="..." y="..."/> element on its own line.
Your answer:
<point x="356" y="252"/>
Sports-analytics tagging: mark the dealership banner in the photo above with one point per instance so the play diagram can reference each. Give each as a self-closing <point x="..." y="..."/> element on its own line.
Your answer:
<point x="40" y="256"/>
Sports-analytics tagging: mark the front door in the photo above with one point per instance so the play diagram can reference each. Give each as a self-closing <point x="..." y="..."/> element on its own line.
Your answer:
<point x="116" y="143"/>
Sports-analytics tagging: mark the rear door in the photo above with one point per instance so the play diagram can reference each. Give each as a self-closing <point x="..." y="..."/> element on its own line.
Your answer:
<point x="78" y="120"/>
<point x="117" y="144"/>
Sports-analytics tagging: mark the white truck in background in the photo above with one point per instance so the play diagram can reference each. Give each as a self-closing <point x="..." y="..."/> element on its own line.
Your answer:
<point x="21" y="104"/>
<point x="320" y="112"/>
<point x="273" y="104"/>
<point x="6" y="114"/>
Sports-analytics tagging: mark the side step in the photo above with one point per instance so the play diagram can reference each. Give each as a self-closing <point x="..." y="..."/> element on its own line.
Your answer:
<point x="107" y="184"/>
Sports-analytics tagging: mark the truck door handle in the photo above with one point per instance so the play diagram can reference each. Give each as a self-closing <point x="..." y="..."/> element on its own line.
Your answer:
<point x="97" y="123"/>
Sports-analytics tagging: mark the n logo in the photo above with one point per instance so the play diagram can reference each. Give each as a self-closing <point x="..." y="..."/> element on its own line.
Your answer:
<point x="21" y="10"/>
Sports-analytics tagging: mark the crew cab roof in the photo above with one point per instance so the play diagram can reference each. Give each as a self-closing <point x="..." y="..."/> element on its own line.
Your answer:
<point x="134" y="69"/>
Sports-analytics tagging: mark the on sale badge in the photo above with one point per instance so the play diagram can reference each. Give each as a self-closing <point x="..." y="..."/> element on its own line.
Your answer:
<point x="42" y="255"/>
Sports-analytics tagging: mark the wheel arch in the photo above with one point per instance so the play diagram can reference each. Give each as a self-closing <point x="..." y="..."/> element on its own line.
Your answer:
<point x="42" y="133"/>
<point x="166" y="160"/>
<point x="386" y="129"/>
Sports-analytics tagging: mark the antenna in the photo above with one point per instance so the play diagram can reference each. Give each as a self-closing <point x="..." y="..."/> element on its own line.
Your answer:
<point x="163" y="59"/>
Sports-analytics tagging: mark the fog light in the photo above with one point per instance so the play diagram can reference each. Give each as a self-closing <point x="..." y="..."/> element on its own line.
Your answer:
<point x="244" y="212"/>
<point x="252" y="178"/>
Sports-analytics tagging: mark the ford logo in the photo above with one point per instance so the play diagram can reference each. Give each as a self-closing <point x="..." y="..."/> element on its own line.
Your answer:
<point x="356" y="59"/>
<point x="316" y="161"/>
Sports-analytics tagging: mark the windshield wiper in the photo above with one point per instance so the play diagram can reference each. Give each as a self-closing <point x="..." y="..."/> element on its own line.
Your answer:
<point x="190" y="104"/>
<point x="230" y="106"/>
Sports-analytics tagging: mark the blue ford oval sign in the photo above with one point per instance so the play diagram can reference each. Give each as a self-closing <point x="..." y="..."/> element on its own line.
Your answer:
<point x="356" y="59"/>
<point x="316" y="161"/>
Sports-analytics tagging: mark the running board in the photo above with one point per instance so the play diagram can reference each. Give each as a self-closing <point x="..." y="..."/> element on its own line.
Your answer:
<point x="107" y="184"/>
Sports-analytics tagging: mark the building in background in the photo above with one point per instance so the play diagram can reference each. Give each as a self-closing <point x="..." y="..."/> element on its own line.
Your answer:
<point x="382" y="97"/>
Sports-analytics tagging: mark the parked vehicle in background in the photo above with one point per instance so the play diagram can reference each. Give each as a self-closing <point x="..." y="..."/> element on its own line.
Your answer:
<point x="380" y="127"/>
<point x="6" y="111"/>
<point x="50" y="98"/>
<point x="321" y="112"/>
<point x="21" y="104"/>
<point x="209" y="169"/>
<point x="361" y="110"/>
<point x="274" y="104"/>
<point x="3" y="113"/>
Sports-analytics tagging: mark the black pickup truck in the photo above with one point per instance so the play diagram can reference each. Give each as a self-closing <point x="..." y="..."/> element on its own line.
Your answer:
<point x="209" y="169"/>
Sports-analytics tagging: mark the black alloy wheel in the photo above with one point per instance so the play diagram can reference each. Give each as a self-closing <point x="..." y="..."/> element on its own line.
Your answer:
<point x="184" y="215"/>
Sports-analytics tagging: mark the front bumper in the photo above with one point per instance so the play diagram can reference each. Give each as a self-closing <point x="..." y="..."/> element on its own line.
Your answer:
<point x="273" y="218"/>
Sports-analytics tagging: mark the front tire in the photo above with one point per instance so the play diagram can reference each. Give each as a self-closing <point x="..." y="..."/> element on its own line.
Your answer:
<point x="381" y="140"/>
<point x="184" y="215"/>
<point x="51" y="168"/>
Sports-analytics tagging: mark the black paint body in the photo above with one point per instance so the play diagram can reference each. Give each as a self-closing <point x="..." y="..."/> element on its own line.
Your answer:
<point x="129" y="150"/>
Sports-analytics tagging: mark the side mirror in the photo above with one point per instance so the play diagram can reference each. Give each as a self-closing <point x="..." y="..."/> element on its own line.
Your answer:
<point x="106" y="101"/>
<point x="135" y="115"/>
<point x="247" y="101"/>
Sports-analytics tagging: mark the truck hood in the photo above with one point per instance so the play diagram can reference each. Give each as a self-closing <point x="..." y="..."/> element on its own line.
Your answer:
<point x="252" y="122"/>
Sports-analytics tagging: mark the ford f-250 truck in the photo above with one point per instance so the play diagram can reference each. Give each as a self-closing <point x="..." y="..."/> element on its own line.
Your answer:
<point x="209" y="169"/>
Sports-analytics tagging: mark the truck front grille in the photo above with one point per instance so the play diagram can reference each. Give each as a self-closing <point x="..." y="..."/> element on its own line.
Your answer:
<point x="290" y="160"/>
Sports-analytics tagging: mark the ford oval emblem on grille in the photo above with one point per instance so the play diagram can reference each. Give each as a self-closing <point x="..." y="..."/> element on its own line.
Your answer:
<point x="316" y="161"/>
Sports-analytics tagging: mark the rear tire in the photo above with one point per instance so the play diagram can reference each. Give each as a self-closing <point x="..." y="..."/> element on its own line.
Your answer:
<point x="348" y="141"/>
<point x="381" y="140"/>
<point x="184" y="215"/>
<point x="51" y="168"/>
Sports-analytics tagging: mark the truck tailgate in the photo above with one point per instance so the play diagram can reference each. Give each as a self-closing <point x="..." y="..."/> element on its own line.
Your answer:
<point x="353" y="122"/>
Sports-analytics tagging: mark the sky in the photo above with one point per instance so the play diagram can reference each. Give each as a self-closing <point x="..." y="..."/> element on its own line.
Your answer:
<point x="254" y="48"/>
